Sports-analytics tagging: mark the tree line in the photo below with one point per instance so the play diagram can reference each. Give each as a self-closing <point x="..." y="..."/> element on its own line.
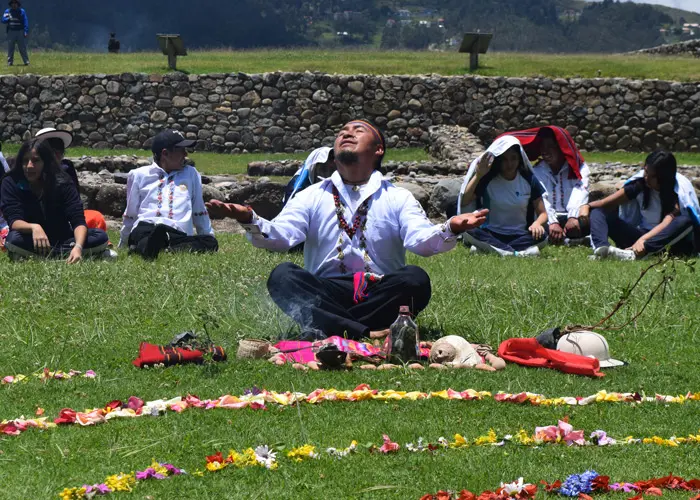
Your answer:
<point x="522" y="25"/>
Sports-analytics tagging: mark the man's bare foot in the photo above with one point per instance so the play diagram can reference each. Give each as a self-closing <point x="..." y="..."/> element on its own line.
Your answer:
<point x="379" y="334"/>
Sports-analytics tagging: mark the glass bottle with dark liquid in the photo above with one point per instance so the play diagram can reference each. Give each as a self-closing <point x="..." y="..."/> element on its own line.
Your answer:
<point x="403" y="343"/>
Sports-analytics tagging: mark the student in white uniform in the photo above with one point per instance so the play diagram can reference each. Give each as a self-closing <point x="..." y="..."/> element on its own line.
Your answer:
<point x="164" y="203"/>
<point x="656" y="208"/>
<point x="502" y="181"/>
<point x="564" y="175"/>
<point x="357" y="228"/>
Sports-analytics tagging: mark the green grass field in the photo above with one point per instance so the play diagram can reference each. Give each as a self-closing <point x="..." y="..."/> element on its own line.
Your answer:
<point x="369" y="62"/>
<point x="93" y="316"/>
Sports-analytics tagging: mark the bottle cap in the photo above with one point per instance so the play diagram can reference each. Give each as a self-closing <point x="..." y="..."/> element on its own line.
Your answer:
<point x="405" y="310"/>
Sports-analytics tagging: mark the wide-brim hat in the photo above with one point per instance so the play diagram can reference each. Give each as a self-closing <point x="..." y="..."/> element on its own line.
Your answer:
<point x="589" y="344"/>
<point x="52" y="133"/>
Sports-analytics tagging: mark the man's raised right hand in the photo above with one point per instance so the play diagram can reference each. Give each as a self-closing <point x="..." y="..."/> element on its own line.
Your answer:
<point x="220" y="210"/>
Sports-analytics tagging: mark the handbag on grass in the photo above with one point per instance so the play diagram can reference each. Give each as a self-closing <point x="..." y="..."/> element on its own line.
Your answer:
<point x="152" y="354"/>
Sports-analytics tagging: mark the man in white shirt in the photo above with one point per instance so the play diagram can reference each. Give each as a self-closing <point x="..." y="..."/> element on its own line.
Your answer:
<point x="564" y="175"/>
<point x="164" y="203"/>
<point x="357" y="228"/>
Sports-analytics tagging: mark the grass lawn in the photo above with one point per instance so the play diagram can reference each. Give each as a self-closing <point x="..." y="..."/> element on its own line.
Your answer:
<point x="93" y="316"/>
<point x="235" y="164"/>
<point x="369" y="62"/>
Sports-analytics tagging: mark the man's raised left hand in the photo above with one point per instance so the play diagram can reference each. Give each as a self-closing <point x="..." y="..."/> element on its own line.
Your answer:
<point x="465" y="222"/>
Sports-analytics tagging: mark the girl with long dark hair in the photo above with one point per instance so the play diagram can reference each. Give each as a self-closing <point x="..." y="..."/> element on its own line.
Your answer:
<point x="502" y="181"/>
<point x="656" y="208"/>
<point x="43" y="209"/>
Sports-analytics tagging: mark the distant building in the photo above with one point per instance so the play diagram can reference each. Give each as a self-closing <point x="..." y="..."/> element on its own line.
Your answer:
<point x="404" y="13"/>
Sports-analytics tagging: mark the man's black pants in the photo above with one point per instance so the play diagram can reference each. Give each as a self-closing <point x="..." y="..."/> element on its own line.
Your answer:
<point x="327" y="304"/>
<point x="148" y="240"/>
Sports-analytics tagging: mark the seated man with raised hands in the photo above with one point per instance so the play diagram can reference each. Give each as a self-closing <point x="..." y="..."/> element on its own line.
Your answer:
<point x="164" y="203"/>
<point x="357" y="228"/>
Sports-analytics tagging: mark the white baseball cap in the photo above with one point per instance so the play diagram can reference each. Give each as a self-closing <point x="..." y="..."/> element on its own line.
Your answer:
<point x="52" y="133"/>
<point x="589" y="344"/>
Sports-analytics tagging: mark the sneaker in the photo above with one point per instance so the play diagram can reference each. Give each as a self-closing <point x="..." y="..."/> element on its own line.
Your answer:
<point x="474" y="249"/>
<point x="529" y="252"/>
<point x="620" y="254"/>
<point x="572" y="242"/>
<point x="601" y="252"/>
<point x="109" y="254"/>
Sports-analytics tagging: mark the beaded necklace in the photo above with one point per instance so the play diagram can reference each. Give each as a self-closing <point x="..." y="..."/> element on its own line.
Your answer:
<point x="359" y="224"/>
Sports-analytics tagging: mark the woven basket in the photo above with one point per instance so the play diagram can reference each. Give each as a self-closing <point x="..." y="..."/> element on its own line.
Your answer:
<point x="253" y="349"/>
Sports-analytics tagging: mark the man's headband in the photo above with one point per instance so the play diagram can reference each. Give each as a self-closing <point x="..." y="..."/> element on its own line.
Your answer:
<point x="375" y="131"/>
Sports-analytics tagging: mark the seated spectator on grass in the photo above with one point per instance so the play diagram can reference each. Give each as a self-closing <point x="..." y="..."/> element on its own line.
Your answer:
<point x="164" y="203"/>
<point x="357" y="228"/>
<point x="502" y="181"/>
<point x="319" y="165"/>
<point x="4" y="229"/>
<point x="656" y="208"/>
<point x="60" y="140"/>
<point x="564" y="175"/>
<point x="43" y="209"/>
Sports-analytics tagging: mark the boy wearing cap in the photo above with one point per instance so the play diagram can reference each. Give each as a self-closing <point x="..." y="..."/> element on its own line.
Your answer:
<point x="17" y="31"/>
<point x="164" y="203"/>
<point x="356" y="227"/>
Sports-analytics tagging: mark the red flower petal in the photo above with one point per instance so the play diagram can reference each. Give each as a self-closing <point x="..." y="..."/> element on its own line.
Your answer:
<point x="654" y="491"/>
<point x="65" y="416"/>
<point x="216" y="457"/>
<point x="466" y="495"/>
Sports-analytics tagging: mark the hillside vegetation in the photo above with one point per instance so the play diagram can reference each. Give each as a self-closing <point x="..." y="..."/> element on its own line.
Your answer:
<point x="532" y="25"/>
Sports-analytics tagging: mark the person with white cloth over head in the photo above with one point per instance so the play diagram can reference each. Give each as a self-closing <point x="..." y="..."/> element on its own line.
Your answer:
<point x="357" y="227"/>
<point x="318" y="166"/>
<point x="655" y="209"/>
<point x="502" y="181"/>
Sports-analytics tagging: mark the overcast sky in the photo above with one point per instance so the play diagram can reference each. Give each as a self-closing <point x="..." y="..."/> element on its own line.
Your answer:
<point x="691" y="5"/>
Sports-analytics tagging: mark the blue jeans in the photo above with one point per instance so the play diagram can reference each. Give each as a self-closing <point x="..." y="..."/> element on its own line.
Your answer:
<point x="608" y="223"/>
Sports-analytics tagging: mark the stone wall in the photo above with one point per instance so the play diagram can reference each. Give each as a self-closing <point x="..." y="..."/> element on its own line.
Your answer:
<point x="301" y="111"/>
<point x="674" y="49"/>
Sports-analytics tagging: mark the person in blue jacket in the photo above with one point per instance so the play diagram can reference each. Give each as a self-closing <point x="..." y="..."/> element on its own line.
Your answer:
<point x="43" y="209"/>
<point x="17" y="31"/>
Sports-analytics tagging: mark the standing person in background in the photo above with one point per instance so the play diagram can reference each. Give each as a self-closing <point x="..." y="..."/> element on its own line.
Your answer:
<point x="113" y="45"/>
<point x="17" y="31"/>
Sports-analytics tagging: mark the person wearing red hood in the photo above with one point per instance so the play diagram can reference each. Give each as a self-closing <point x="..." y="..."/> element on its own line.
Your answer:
<point x="564" y="174"/>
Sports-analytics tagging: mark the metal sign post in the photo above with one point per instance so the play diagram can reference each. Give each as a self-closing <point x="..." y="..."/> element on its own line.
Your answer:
<point x="475" y="44"/>
<point x="171" y="46"/>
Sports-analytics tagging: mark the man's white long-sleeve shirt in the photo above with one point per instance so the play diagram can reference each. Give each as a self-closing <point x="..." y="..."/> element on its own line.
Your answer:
<point x="395" y="223"/>
<point x="566" y="195"/>
<point x="158" y="197"/>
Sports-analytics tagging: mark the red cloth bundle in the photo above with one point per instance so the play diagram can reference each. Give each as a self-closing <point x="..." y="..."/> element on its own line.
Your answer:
<point x="529" y="352"/>
<point x="151" y="354"/>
